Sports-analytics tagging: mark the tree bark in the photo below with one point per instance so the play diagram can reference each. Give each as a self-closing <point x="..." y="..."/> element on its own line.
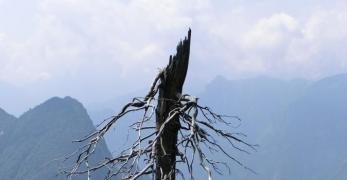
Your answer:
<point x="172" y="81"/>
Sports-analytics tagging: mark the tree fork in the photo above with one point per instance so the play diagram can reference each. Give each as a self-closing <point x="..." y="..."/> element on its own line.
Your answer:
<point x="172" y="80"/>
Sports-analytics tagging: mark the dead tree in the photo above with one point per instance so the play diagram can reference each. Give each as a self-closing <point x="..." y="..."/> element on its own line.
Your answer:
<point x="172" y="80"/>
<point x="180" y="132"/>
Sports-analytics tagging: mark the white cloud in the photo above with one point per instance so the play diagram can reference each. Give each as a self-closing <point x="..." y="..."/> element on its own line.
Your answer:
<point x="98" y="42"/>
<point x="289" y="46"/>
<point x="320" y="50"/>
<point x="271" y="32"/>
<point x="327" y="24"/>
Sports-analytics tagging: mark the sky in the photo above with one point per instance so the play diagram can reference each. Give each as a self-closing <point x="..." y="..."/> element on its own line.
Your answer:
<point x="96" y="50"/>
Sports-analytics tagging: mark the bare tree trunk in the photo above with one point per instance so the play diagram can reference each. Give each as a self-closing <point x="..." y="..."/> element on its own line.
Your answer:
<point x="172" y="81"/>
<point x="174" y="112"/>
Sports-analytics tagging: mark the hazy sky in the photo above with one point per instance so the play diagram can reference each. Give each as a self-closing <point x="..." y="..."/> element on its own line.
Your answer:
<point x="97" y="49"/>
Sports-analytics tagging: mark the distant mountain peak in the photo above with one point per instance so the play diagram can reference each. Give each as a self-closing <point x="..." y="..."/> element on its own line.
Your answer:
<point x="58" y="101"/>
<point x="66" y="99"/>
<point x="34" y="147"/>
<point x="333" y="85"/>
<point x="58" y="107"/>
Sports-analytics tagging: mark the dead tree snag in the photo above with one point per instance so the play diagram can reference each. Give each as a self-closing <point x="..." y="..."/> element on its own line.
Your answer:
<point x="181" y="130"/>
<point x="172" y="81"/>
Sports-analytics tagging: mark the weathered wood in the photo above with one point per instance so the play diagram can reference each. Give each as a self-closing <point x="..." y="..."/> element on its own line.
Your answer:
<point x="172" y="81"/>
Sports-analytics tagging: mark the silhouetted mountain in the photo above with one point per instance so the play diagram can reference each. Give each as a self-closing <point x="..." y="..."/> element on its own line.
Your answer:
<point x="39" y="140"/>
<point x="261" y="103"/>
<point x="315" y="132"/>
<point x="299" y="125"/>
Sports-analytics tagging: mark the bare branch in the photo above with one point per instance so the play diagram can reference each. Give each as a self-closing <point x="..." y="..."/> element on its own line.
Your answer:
<point x="176" y="115"/>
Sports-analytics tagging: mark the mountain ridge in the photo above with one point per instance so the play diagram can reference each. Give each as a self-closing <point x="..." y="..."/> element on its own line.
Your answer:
<point x="43" y="134"/>
<point x="298" y="123"/>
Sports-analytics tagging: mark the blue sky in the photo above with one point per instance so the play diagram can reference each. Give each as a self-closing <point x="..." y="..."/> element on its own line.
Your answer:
<point x="95" y="50"/>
